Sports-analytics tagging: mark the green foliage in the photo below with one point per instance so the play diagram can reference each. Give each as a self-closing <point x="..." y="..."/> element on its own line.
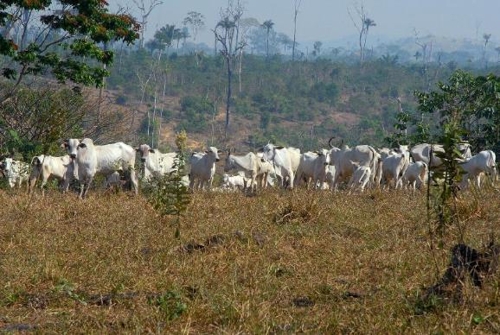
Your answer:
<point x="170" y="195"/>
<point x="195" y="113"/>
<point x="447" y="177"/>
<point x="456" y="105"/>
<point x="170" y="303"/>
<point x="323" y="92"/>
<point x="39" y="117"/>
<point x="69" y="41"/>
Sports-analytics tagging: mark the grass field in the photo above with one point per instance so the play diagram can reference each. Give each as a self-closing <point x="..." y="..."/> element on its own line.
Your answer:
<point x="279" y="263"/>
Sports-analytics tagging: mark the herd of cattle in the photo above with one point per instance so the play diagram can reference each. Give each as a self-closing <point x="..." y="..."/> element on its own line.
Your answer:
<point x="355" y="168"/>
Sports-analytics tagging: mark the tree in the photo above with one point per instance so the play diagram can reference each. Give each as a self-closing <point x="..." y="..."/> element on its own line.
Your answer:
<point x="317" y="48"/>
<point x="196" y="21"/>
<point x="227" y="35"/>
<point x="363" y="28"/>
<point x="285" y="41"/>
<point x="268" y="26"/>
<point x="295" y="13"/>
<point x="68" y="42"/>
<point x="165" y="36"/>
<point x="486" y="38"/>
<point x="145" y="9"/>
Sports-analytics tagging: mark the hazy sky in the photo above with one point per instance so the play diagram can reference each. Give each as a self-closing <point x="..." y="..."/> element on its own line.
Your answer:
<point x="325" y="20"/>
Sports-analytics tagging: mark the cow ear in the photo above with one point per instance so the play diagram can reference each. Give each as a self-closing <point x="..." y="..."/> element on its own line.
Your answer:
<point x="206" y="151"/>
<point x="137" y="149"/>
<point x="152" y="151"/>
<point x="82" y="145"/>
<point x="64" y="144"/>
<point x="279" y="148"/>
<point x="219" y="151"/>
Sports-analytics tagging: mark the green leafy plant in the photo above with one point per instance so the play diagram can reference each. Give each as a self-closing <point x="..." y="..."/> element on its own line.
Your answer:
<point x="170" y="194"/>
<point x="170" y="303"/>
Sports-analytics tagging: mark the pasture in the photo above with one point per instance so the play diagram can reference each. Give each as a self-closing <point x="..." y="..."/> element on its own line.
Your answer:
<point x="281" y="262"/>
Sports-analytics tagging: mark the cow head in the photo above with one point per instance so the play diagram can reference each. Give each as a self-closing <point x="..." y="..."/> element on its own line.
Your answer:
<point x="323" y="154"/>
<point x="37" y="160"/>
<point x="214" y="152"/>
<point x="144" y="150"/>
<point x="7" y="164"/>
<point x="71" y="145"/>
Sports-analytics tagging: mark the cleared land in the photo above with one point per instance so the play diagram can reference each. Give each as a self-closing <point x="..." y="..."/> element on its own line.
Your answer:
<point x="279" y="262"/>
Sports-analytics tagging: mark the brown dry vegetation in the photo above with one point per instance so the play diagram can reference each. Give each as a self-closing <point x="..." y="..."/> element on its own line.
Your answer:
<point x="278" y="262"/>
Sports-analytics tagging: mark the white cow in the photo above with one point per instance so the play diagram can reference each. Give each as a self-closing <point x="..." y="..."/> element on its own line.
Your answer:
<point x="265" y="172"/>
<point x="155" y="163"/>
<point x="235" y="182"/>
<point x="422" y="153"/>
<point x="281" y="159"/>
<point x="61" y="168"/>
<point x="312" y="166"/>
<point x="415" y="175"/>
<point x="103" y="159"/>
<point x="483" y="162"/>
<point x="16" y="172"/>
<point x="343" y="159"/>
<point x="295" y="155"/>
<point x="360" y="177"/>
<point x="393" y="169"/>
<point x="248" y="165"/>
<point x="203" y="168"/>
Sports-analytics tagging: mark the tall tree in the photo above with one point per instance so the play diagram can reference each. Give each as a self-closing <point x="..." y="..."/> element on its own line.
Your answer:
<point x="227" y="35"/>
<point x="268" y="26"/>
<point x="196" y="21"/>
<point x="68" y="43"/>
<point x="295" y="13"/>
<point x="145" y="8"/>
<point x="486" y="39"/>
<point x="363" y="27"/>
<point x="317" y="48"/>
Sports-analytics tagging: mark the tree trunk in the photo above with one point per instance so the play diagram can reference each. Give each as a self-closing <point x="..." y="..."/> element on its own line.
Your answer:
<point x="228" y="98"/>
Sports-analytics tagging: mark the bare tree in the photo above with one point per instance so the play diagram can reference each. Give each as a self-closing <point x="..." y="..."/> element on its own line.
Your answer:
<point x="486" y="39"/>
<point x="227" y="35"/>
<point x="426" y="48"/>
<point x="295" y="13"/>
<point x="145" y="8"/>
<point x="196" y="21"/>
<point x="363" y="27"/>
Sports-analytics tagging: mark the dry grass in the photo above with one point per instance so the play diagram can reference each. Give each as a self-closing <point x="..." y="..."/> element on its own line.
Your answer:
<point x="279" y="262"/>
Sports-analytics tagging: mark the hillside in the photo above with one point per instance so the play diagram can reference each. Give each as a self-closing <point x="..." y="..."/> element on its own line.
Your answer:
<point x="301" y="104"/>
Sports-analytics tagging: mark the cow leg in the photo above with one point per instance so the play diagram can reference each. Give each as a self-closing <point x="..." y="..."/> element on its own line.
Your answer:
<point x="134" y="181"/>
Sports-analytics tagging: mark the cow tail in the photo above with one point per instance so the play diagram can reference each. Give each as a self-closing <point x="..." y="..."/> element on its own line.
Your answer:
<point x="423" y="172"/>
<point x="376" y="167"/>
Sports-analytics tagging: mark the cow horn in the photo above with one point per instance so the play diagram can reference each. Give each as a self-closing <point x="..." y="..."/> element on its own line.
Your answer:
<point x="330" y="142"/>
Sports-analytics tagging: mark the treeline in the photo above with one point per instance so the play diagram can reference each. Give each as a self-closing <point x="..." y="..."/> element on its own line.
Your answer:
<point x="298" y="103"/>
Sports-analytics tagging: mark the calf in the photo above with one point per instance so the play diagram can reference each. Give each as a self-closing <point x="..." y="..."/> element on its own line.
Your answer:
<point x="16" y="172"/>
<point x="393" y="168"/>
<point x="235" y="182"/>
<point x="247" y="164"/>
<point x="203" y="168"/>
<point x="360" y="177"/>
<point x="483" y="162"/>
<point x="415" y="175"/>
<point x="61" y="168"/>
